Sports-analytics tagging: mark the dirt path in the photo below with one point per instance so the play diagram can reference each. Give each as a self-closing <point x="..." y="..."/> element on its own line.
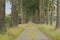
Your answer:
<point x="32" y="33"/>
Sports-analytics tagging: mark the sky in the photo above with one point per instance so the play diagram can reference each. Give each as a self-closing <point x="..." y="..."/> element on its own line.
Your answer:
<point x="8" y="8"/>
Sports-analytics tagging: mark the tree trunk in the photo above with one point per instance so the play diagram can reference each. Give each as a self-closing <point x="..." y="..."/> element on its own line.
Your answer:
<point x="23" y="12"/>
<point x="2" y="15"/>
<point x="14" y="15"/>
<point x="47" y="15"/>
<point x="19" y="11"/>
<point x="43" y="12"/>
<point x="40" y="5"/>
<point x="58" y="15"/>
<point x="51" y="16"/>
<point x="41" y="8"/>
<point x="36" y="17"/>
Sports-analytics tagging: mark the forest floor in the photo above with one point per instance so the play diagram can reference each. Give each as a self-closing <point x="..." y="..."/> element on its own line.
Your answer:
<point x="32" y="33"/>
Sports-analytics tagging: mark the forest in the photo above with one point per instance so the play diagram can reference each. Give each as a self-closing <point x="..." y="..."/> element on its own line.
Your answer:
<point x="30" y="20"/>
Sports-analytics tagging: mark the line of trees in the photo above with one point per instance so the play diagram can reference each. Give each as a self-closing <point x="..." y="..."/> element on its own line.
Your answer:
<point x="36" y="11"/>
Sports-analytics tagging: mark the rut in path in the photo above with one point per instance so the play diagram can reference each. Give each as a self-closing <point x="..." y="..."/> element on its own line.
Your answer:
<point x="32" y="33"/>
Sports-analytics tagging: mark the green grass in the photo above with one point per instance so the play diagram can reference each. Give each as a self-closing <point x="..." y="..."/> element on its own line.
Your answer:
<point x="13" y="33"/>
<point x="50" y="31"/>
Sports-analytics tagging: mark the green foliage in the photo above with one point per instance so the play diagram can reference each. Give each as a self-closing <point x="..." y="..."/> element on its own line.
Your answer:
<point x="1" y="29"/>
<point x="8" y="21"/>
<point x="31" y="5"/>
<point x="19" y="19"/>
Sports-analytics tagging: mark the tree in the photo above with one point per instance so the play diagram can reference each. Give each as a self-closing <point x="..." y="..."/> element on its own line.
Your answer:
<point x="14" y="14"/>
<point x="23" y="12"/>
<point x="58" y="15"/>
<point x="35" y="8"/>
<point x="47" y="13"/>
<point x="40" y="6"/>
<point x="36" y="16"/>
<point x="51" y="16"/>
<point x="2" y="15"/>
<point x="41" y="11"/>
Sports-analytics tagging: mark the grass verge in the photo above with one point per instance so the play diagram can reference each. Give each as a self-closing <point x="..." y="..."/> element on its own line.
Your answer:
<point x="13" y="33"/>
<point x="49" y="31"/>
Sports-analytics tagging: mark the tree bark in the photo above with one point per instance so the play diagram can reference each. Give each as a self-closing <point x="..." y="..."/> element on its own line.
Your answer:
<point x="36" y="17"/>
<point x="43" y="12"/>
<point x="51" y="16"/>
<point x="14" y="14"/>
<point x="23" y="12"/>
<point x="41" y="9"/>
<point x="47" y="15"/>
<point x="58" y="15"/>
<point x="40" y="5"/>
<point x="2" y="15"/>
